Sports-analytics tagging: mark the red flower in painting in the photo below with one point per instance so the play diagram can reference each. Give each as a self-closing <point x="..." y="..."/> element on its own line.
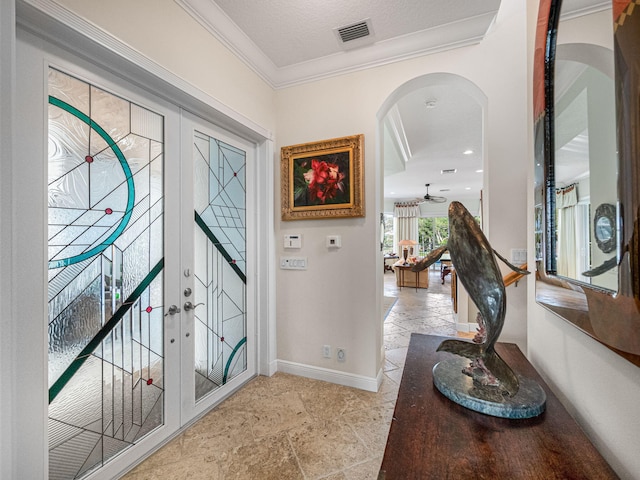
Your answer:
<point x="325" y="180"/>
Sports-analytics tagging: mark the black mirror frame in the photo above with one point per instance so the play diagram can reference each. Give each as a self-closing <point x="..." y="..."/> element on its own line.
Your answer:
<point x="612" y="319"/>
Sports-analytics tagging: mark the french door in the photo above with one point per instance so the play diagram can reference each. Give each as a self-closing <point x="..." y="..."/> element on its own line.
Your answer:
<point x="218" y="185"/>
<point x="150" y="317"/>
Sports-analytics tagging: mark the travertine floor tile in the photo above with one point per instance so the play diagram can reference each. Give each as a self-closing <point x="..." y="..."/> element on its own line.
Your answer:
<point x="278" y="413"/>
<point x="372" y="425"/>
<point x="324" y="447"/>
<point x="293" y="428"/>
<point x="217" y="433"/>
<point x="364" y="471"/>
<point x="270" y="458"/>
<point x="397" y="356"/>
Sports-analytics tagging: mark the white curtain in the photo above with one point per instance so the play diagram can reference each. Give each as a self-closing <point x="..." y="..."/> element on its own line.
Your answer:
<point x="566" y="201"/>
<point x="582" y="241"/>
<point x="406" y="215"/>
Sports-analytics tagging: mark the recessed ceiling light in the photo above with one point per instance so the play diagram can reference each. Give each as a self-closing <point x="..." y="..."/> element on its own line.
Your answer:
<point x="467" y="188"/>
<point x="479" y="171"/>
<point x="392" y="193"/>
<point x="468" y="151"/>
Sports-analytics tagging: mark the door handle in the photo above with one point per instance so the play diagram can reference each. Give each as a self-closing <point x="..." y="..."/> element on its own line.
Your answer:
<point x="173" y="309"/>
<point x="190" y="306"/>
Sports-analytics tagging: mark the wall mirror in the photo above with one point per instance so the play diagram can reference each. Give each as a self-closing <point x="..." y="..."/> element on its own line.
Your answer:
<point x="587" y="142"/>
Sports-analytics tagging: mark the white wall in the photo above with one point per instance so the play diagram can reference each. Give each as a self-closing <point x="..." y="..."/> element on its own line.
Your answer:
<point x="23" y="403"/>
<point x="599" y="388"/>
<point x="333" y="301"/>
<point x="164" y="32"/>
<point x="8" y="450"/>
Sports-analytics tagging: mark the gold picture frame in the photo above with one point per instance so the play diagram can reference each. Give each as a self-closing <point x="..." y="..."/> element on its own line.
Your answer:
<point x="323" y="179"/>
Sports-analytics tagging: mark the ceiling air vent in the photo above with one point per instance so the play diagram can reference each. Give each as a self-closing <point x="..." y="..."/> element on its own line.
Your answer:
<point x="355" y="34"/>
<point x="447" y="171"/>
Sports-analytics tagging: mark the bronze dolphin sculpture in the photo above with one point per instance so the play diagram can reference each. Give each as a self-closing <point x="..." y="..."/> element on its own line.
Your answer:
<point x="477" y="269"/>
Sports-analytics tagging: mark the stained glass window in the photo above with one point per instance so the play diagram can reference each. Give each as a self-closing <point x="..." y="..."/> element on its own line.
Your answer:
<point x="220" y="262"/>
<point x="106" y="335"/>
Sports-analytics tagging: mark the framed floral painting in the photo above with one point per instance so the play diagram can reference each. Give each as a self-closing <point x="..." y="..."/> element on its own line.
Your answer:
<point x="323" y="179"/>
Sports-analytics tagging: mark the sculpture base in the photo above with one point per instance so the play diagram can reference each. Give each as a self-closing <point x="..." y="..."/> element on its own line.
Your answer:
<point x="448" y="378"/>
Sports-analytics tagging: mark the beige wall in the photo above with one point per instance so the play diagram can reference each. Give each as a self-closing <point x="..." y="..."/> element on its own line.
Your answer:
<point x="165" y="33"/>
<point x="599" y="388"/>
<point x="333" y="301"/>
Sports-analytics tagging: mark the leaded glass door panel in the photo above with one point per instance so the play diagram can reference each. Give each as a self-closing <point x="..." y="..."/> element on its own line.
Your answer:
<point x="222" y="349"/>
<point x="116" y="339"/>
<point x="108" y="375"/>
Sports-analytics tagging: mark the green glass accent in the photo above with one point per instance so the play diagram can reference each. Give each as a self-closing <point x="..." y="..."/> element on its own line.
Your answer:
<point x="127" y="173"/>
<point x="57" y="387"/>
<point x="233" y="354"/>
<point x="219" y="247"/>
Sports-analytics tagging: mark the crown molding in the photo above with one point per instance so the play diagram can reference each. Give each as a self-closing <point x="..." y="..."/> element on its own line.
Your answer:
<point x="393" y="121"/>
<point x="208" y="14"/>
<point x="468" y="31"/>
<point x="595" y="7"/>
<point x="53" y="22"/>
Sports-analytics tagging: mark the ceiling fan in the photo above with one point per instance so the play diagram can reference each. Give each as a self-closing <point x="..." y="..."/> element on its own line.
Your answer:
<point x="431" y="198"/>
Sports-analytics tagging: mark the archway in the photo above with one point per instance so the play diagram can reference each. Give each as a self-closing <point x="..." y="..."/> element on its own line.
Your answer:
<point x="431" y="129"/>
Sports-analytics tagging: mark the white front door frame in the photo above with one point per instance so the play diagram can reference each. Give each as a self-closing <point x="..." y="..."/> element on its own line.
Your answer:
<point x="23" y="413"/>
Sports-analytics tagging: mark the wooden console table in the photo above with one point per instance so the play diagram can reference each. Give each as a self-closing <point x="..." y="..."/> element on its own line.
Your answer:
<point x="407" y="278"/>
<point x="432" y="437"/>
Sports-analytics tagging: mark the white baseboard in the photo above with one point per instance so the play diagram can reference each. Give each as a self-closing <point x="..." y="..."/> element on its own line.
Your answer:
<point x="270" y="368"/>
<point x="370" y="384"/>
<point x="466" y="327"/>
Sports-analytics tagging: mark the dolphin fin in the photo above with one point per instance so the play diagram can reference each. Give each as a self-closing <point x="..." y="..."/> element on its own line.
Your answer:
<point x="511" y="266"/>
<point x="433" y="257"/>
<point x="496" y="365"/>
<point x="492" y="361"/>
<point x="605" y="267"/>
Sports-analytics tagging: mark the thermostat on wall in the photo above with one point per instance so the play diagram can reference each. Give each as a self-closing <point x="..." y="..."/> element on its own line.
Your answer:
<point x="334" y="241"/>
<point x="293" y="241"/>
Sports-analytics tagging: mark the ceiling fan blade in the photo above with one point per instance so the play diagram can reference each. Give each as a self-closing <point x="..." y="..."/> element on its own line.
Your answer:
<point x="431" y="198"/>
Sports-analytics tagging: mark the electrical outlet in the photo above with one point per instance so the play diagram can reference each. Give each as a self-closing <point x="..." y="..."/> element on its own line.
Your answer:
<point x="326" y="351"/>
<point x="518" y="256"/>
<point x="341" y="354"/>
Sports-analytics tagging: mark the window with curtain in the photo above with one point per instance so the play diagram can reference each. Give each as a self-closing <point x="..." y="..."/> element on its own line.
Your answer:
<point x="387" y="233"/>
<point x="406" y="215"/>
<point x="433" y="232"/>
<point x="566" y="201"/>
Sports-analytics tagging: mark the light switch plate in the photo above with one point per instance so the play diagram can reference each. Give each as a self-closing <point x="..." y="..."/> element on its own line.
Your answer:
<point x="293" y="263"/>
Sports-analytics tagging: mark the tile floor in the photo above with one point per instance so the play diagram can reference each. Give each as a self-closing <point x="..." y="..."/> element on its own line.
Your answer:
<point x="288" y="427"/>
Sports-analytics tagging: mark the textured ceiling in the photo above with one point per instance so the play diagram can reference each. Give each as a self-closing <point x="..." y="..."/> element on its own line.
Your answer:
<point x="288" y="42"/>
<point x="294" y="31"/>
<point x="437" y="137"/>
<point x="294" y="41"/>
